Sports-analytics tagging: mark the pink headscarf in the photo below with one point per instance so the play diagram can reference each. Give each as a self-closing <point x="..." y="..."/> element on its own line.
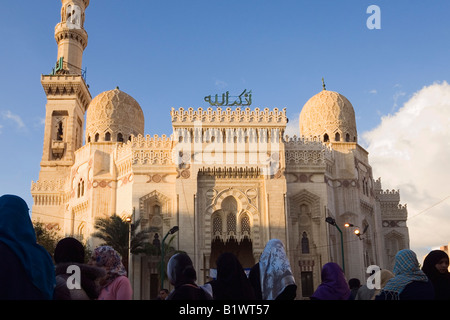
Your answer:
<point x="110" y="259"/>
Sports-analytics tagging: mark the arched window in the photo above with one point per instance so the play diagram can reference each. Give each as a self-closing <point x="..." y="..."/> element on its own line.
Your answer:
<point x="326" y="138"/>
<point x="97" y="136"/>
<point x="217" y="225"/>
<point x="305" y="243"/>
<point x="245" y="225"/>
<point x="347" y="137"/>
<point x="337" y="137"/>
<point x="60" y="134"/>
<point x="107" y="136"/>
<point x="80" y="188"/>
<point x="231" y="222"/>
<point x="119" y="137"/>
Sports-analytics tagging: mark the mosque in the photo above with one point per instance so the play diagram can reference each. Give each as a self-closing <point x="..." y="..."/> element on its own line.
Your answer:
<point x="227" y="176"/>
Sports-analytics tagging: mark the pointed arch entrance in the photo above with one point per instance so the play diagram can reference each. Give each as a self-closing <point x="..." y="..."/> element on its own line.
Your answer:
<point x="231" y="230"/>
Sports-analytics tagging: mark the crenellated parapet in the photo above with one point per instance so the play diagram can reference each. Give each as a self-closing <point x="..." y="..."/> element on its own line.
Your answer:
<point x="146" y="150"/>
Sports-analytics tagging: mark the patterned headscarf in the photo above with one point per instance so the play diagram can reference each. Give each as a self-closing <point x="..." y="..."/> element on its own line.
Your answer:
<point x="406" y="270"/>
<point x="275" y="270"/>
<point x="110" y="259"/>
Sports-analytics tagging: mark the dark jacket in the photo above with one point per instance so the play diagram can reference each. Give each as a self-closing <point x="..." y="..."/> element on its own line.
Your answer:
<point x="189" y="292"/>
<point x="15" y="283"/>
<point x="89" y="282"/>
<point x="416" y="290"/>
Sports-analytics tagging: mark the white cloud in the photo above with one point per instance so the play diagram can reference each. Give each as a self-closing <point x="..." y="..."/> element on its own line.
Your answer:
<point x="410" y="150"/>
<point x="373" y="91"/>
<point x="14" y="117"/>
<point x="220" y="84"/>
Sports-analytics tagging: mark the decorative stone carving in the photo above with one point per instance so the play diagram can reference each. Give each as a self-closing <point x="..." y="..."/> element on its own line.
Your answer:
<point x="329" y="113"/>
<point x="114" y="112"/>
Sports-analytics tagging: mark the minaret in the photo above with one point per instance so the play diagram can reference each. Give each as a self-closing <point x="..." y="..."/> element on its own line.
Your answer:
<point x="67" y="93"/>
<point x="68" y="98"/>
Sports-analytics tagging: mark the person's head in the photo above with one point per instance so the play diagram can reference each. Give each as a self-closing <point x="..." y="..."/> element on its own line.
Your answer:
<point x="405" y="262"/>
<point x="15" y="222"/>
<point x="228" y="266"/>
<point x="180" y="270"/>
<point x="109" y="259"/>
<point x="163" y="293"/>
<point x="385" y="275"/>
<point x="17" y="232"/>
<point x="354" y="283"/>
<point x="436" y="260"/>
<point x="331" y="272"/>
<point x="69" y="250"/>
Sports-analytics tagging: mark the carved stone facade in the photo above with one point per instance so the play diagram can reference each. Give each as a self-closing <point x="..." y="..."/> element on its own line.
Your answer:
<point x="228" y="178"/>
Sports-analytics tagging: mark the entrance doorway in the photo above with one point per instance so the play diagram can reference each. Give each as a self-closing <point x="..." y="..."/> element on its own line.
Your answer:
<point x="231" y="233"/>
<point x="243" y="250"/>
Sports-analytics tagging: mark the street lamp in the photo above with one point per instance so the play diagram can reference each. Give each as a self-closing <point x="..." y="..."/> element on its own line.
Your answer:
<point x="171" y="231"/>
<point x="332" y="221"/>
<point x="356" y="231"/>
<point x="128" y="220"/>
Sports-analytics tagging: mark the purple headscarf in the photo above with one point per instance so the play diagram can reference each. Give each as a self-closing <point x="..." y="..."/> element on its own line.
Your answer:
<point x="334" y="284"/>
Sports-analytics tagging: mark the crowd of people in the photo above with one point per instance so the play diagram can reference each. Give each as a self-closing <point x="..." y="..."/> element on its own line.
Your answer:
<point x="27" y="272"/>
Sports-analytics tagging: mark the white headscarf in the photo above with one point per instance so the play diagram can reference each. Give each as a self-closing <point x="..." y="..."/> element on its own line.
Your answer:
<point x="275" y="270"/>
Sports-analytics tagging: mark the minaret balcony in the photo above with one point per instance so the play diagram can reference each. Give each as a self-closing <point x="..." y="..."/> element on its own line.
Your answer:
<point x="58" y="147"/>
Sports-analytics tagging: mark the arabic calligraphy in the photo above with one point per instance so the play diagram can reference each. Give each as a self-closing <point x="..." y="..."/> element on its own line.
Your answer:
<point x="244" y="99"/>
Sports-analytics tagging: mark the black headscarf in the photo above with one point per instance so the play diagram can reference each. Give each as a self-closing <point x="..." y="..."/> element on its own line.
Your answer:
<point x="69" y="250"/>
<point x="441" y="281"/>
<point x="182" y="275"/>
<point x="180" y="270"/>
<point x="232" y="282"/>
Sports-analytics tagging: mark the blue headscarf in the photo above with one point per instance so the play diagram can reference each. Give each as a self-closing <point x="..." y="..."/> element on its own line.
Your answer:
<point x="17" y="232"/>
<point x="406" y="270"/>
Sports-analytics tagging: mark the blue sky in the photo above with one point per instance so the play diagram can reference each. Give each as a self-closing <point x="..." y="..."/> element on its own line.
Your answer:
<point x="173" y="53"/>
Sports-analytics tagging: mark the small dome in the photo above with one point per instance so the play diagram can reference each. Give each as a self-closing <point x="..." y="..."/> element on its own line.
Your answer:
<point x="113" y="116"/>
<point x="330" y="116"/>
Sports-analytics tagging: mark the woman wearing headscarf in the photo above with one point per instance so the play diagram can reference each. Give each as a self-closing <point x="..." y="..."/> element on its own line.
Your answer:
<point x="272" y="277"/>
<point x="384" y="275"/>
<point x="26" y="268"/>
<point x="182" y="275"/>
<point x="115" y="285"/>
<point x="409" y="282"/>
<point x="69" y="252"/>
<point x="232" y="282"/>
<point x="334" y="285"/>
<point x="435" y="266"/>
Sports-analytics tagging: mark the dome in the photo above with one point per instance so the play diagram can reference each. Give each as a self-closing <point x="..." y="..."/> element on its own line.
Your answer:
<point x="113" y="116"/>
<point x="330" y="116"/>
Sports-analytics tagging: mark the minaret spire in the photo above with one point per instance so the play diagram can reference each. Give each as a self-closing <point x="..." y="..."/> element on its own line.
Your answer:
<point x="323" y="84"/>
<point x="67" y="94"/>
<point x="71" y="37"/>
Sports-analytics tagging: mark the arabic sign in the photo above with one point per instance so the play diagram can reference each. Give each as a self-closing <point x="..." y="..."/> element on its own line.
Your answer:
<point x="58" y="66"/>
<point x="244" y="99"/>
